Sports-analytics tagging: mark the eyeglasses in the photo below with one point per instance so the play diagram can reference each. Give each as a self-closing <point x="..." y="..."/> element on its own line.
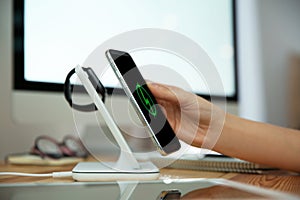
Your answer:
<point x="45" y="146"/>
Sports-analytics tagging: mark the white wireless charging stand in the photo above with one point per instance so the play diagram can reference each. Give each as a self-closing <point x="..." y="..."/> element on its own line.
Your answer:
<point x="126" y="167"/>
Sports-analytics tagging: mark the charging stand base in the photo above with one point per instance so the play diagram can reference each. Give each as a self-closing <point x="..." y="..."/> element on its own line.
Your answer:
<point x="105" y="171"/>
<point x="127" y="167"/>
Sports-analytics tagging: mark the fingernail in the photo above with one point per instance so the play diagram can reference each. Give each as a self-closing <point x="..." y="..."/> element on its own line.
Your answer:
<point x="153" y="84"/>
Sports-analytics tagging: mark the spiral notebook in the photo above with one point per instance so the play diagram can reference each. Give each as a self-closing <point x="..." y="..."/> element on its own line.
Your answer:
<point x="219" y="163"/>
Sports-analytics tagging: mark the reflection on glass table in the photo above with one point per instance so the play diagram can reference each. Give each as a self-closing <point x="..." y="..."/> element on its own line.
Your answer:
<point x="152" y="190"/>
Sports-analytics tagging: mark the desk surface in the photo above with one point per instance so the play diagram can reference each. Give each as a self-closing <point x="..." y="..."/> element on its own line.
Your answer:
<point x="279" y="180"/>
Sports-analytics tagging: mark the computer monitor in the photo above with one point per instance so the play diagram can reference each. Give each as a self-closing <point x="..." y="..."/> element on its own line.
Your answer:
<point x="51" y="37"/>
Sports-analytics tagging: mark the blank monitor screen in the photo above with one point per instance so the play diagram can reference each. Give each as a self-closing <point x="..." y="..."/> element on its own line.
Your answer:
<point x="52" y="36"/>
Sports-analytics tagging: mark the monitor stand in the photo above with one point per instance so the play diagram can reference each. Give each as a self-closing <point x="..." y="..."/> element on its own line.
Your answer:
<point x="126" y="167"/>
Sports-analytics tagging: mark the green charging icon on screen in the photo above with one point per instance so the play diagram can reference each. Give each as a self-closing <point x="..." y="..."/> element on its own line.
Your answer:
<point x="146" y="99"/>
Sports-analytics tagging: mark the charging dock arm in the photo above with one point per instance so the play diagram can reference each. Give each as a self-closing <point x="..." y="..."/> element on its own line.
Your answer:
<point x="126" y="159"/>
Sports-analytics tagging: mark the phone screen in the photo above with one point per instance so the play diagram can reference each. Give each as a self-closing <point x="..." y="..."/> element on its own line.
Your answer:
<point x="146" y="102"/>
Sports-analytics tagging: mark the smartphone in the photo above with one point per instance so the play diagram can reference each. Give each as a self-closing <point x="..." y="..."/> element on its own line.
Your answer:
<point x="143" y="101"/>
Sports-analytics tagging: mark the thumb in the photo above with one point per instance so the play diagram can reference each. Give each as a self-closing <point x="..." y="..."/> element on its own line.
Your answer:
<point x="164" y="92"/>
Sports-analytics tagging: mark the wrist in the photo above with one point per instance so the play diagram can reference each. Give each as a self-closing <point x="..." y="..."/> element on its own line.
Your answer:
<point x="215" y="128"/>
<point x="225" y="141"/>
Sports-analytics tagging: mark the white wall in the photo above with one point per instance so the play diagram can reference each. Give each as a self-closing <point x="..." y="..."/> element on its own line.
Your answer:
<point x="269" y="33"/>
<point x="250" y="68"/>
<point x="280" y="30"/>
<point x="9" y="133"/>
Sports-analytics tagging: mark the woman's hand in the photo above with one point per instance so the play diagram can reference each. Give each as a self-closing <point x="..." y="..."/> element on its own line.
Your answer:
<point x="202" y="124"/>
<point x="189" y="115"/>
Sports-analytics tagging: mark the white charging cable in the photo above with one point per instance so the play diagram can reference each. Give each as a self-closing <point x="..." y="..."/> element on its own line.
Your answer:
<point x="53" y="174"/>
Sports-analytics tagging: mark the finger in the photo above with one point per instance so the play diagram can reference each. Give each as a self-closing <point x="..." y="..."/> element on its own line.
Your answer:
<point x="163" y="92"/>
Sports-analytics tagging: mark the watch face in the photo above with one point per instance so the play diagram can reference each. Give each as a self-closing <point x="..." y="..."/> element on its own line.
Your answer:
<point x="145" y="101"/>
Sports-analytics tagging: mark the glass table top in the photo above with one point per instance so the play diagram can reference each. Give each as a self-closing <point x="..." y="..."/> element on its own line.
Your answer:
<point x="158" y="189"/>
